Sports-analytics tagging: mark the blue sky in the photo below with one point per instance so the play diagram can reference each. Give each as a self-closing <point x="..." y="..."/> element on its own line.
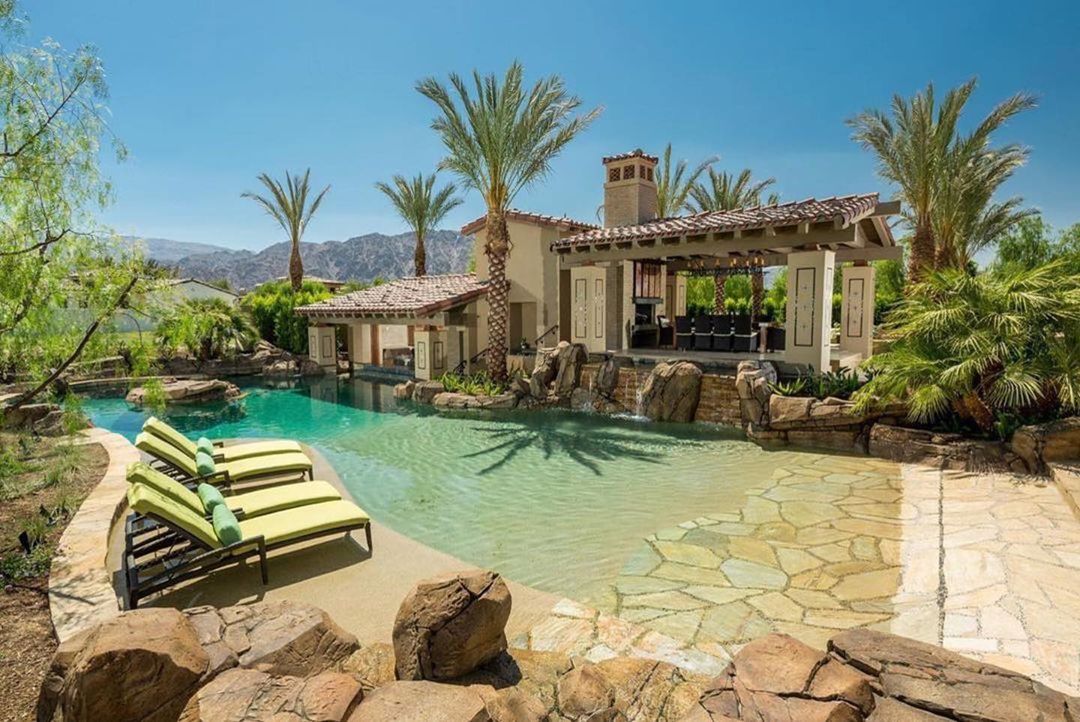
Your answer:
<point x="206" y="94"/>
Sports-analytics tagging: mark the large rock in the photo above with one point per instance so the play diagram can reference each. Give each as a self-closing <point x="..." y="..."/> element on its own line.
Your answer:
<point x="571" y="359"/>
<point x="942" y="450"/>
<point x="189" y="391"/>
<point x="449" y="625"/>
<point x="425" y="391"/>
<point x="42" y="419"/>
<point x="422" y="701"/>
<point x="607" y="378"/>
<point x="544" y="370"/>
<point x="404" y="392"/>
<point x="448" y="400"/>
<point x="142" y="666"/>
<point x="672" y="391"/>
<point x="279" y="638"/>
<point x="787" y="412"/>
<point x="753" y="381"/>
<point x="245" y="694"/>
<point x="372" y="665"/>
<point x="1042" y="444"/>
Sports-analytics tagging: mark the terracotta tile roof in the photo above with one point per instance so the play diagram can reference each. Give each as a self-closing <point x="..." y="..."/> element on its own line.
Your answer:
<point x="846" y="209"/>
<point x="414" y="296"/>
<point x="636" y="153"/>
<point x="561" y="222"/>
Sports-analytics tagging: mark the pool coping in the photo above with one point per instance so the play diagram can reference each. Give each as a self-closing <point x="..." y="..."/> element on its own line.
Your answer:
<point x="81" y="592"/>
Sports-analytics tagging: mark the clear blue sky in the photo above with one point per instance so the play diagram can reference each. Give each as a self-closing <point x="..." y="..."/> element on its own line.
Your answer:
<point x="207" y="93"/>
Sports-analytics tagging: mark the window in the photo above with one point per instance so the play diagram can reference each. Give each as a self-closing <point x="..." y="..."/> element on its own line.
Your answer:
<point x="612" y="174"/>
<point x="421" y="355"/>
<point x="648" y="173"/>
<point x="648" y="280"/>
<point x="628" y="172"/>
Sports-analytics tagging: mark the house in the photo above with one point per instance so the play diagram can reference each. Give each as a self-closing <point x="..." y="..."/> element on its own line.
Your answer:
<point x="620" y="288"/>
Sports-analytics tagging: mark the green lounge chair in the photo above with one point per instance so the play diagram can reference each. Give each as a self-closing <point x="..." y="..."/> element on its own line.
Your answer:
<point x="246" y="450"/>
<point x="227" y="472"/>
<point x="194" y="549"/>
<point x="244" y="505"/>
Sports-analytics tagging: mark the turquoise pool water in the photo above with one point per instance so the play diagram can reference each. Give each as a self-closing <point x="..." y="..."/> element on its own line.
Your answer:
<point x="555" y="500"/>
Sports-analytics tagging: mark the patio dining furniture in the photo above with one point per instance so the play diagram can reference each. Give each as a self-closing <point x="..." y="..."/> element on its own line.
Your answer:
<point x="721" y="332"/>
<point x="684" y="333"/>
<point x="195" y="546"/>
<point x="745" y="339"/>
<point x="703" y="333"/>
<point x="234" y="452"/>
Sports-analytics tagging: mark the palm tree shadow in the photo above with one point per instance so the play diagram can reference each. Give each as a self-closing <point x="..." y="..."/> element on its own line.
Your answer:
<point x="588" y="448"/>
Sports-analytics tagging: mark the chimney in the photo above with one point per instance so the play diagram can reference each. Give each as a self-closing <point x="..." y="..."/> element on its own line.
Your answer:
<point x="629" y="188"/>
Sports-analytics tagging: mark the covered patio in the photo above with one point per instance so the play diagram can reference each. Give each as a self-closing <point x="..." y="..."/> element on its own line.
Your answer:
<point x="632" y="271"/>
<point x="417" y="327"/>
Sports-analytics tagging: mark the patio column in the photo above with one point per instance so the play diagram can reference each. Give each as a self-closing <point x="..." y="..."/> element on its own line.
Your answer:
<point x="857" y="311"/>
<point x="809" y="308"/>
<point x="322" y="345"/>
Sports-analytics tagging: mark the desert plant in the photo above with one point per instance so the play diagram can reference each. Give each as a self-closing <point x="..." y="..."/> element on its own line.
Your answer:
<point x="419" y="205"/>
<point x="288" y="205"/>
<point x="973" y="346"/>
<point x="500" y="138"/>
<point x="207" y="327"/>
<point x="478" y="384"/>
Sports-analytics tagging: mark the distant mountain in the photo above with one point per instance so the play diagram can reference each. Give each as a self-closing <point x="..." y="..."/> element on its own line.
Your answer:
<point x="362" y="258"/>
<point x="165" y="251"/>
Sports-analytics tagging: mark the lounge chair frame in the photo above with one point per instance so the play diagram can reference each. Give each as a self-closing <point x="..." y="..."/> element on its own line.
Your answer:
<point x="185" y="557"/>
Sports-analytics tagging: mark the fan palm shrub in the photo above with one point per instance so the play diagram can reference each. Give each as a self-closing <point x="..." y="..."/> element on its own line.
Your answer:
<point x="501" y="137"/>
<point x="674" y="183"/>
<point x="288" y="205"/>
<point x="207" y="328"/>
<point x="975" y="347"/>
<point x="272" y="305"/>
<point x="936" y="170"/>
<point x="423" y="208"/>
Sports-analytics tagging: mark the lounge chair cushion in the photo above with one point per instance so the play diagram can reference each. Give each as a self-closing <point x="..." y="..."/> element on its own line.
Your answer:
<point x="283" y="496"/>
<point x="205" y="445"/>
<point x="150" y="502"/>
<point x="164" y="431"/>
<point x="249" y="449"/>
<point x="140" y="473"/>
<point x="209" y="496"/>
<point x="226" y="526"/>
<point x="204" y="463"/>
<point x="291" y="524"/>
<point x="273" y="464"/>
<point x="156" y="447"/>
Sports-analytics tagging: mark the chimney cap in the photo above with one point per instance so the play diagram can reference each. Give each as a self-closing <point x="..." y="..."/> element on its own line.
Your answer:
<point x="636" y="153"/>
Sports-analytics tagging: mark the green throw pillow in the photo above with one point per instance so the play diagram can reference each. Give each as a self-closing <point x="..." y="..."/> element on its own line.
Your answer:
<point x="210" y="497"/>
<point x="205" y="445"/>
<point x="204" y="463"/>
<point x="225" y="525"/>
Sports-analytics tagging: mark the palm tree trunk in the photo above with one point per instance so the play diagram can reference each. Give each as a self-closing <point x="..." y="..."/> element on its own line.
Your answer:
<point x="757" y="293"/>
<point x="923" y="251"/>
<point x="420" y="257"/>
<point x="296" y="266"/>
<point x="497" y="249"/>
<point x="718" y="294"/>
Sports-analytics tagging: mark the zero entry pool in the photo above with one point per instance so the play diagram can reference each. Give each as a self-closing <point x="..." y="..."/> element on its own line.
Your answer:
<point x="614" y="513"/>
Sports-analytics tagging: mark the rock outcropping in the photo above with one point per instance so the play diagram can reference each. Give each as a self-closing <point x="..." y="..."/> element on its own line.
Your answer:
<point x="672" y="392"/>
<point x="188" y="391"/>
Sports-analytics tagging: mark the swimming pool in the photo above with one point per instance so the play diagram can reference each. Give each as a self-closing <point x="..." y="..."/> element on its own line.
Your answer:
<point x="691" y="530"/>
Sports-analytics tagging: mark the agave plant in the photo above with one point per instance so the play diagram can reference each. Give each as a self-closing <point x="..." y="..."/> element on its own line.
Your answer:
<point x="977" y="346"/>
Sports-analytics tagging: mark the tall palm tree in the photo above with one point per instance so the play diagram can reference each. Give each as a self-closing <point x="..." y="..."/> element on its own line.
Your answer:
<point x="420" y="207"/>
<point x="500" y="138"/>
<point x="914" y="144"/>
<point x="724" y="192"/>
<point x="288" y="205"/>
<point x="673" y="184"/>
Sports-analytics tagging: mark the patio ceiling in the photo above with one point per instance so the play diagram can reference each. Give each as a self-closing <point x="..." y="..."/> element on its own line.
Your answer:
<point x="855" y="227"/>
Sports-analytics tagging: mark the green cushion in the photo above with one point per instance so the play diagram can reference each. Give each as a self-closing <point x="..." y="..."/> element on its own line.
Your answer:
<point x="226" y="526"/>
<point x="210" y="496"/>
<point x="147" y="500"/>
<point x="140" y="473"/>
<point x="205" y="445"/>
<point x="204" y="463"/>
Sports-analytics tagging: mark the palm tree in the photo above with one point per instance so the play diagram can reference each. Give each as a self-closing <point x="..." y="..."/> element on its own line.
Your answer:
<point x="500" y="138"/>
<point x="725" y="192"/>
<point x="915" y="146"/>
<point x="288" y="205"/>
<point x="420" y="208"/>
<point x="673" y="184"/>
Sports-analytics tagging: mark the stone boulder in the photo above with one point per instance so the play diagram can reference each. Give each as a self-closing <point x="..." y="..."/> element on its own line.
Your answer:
<point x="141" y="666"/>
<point x="279" y="638"/>
<point x="672" y="391"/>
<point x="448" y="400"/>
<point x="372" y="665"/>
<point x="424" y="392"/>
<point x="1042" y="444"/>
<point x="404" y="392"/>
<point x="752" y="384"/>
<point x="571" y="359"/>
<point x="941" y="450"/>
<point x="788" y="411"/>
<point x="189" y="391"/>
<point x="544" y="370"/>
<point x="246" y="694"/>
<point x="42" y="419"/>
<point x="449" y="625"/>
<point x="422" y="701"/>
<point x="607" y="378"/>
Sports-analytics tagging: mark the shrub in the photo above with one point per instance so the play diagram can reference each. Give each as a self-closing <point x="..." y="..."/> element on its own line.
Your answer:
<point x="978" y="346"/>
<point x="478" y="384"/>
<point x="271" y="307"/>
<point x="838" y="384"/>
<point x="207" y="327"/>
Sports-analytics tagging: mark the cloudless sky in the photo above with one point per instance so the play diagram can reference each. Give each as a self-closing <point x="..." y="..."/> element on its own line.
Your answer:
<point x="208" y="93"/>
